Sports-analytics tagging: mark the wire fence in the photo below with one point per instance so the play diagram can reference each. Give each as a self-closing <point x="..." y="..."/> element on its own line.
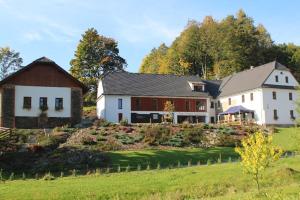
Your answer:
<point x="121" y="169"/>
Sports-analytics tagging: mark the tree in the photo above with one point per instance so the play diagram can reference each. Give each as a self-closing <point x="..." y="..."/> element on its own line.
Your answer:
<point x="152" y="62"/>
<point x="169" y="108"/>
<point x="10" y="61"/>
<point x="95" y="55"/>
<point x="257" y="154"/>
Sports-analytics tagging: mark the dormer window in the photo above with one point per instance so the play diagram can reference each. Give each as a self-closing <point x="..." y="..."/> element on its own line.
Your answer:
<point x="197" y="86"/>
<point x="276" y="79"/>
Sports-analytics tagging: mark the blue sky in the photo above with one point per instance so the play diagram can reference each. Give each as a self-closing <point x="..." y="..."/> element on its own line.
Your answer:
<point x="53" y="28"/>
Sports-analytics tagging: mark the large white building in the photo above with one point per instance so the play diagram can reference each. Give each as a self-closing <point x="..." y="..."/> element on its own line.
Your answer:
<point x="265" y="94"/>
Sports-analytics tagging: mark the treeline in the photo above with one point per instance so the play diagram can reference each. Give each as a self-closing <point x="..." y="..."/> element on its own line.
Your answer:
<point x="214" y="49"/>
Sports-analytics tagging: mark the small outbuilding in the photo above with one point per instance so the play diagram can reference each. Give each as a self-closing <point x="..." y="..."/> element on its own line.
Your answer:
<point x="40" y="95"/>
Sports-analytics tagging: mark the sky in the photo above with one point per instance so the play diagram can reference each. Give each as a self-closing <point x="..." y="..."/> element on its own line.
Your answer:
<point x="53" y="28"/>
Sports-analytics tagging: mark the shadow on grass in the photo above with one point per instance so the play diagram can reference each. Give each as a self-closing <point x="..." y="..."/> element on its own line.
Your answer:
<point x="168" y="158"/>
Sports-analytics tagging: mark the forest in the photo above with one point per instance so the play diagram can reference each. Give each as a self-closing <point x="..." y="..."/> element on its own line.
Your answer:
<point x="214" y="49"/>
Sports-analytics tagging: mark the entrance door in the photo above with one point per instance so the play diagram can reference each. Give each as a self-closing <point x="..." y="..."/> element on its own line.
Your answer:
<point x="120" y="116"/>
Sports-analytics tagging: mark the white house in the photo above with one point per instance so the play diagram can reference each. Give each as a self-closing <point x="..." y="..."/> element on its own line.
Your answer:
<point x="265" y="94"/>
<point x="41" y="94"/>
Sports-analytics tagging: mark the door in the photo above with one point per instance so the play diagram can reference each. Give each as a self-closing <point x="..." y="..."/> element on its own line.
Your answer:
<point x="120" y="116"/>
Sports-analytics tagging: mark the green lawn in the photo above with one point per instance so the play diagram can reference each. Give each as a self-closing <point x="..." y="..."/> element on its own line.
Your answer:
<point x="288" y="138"/>
<point x="168" y="158"/>
<point x="220" y="181"/>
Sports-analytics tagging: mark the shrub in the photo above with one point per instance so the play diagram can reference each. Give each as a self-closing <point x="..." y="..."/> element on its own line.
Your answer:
<point x="103" y="123"/>
<point x="125" y="139"/>
<point x="48" y="177"/>
<point x="193" y="135"/>
<point x="157" y="135"/>
<point x="94" y="132"/>
<point x="124" y="122"/>
<point x="177" y="140"/>
<point x="228" y="141"/>
<point x="88" y="140"/>
<point x="111" y="144"/>
<point x="101" y="138"/>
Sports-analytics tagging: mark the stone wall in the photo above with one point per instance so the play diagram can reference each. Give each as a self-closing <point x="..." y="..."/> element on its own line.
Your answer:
<point x="33" y="122"/>
<point x="76" y="105"/>
<point x="8" y="106"/>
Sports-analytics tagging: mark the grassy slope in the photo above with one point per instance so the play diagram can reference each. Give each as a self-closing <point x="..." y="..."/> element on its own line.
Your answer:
<point x="223" y="181"/>
<point x="288" y="138"/>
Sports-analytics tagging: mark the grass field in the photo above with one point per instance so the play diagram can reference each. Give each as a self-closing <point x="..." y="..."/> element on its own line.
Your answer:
<point x="218" y="181"/>
<point x="288" y="138"/>
<point x="168" y="158"/>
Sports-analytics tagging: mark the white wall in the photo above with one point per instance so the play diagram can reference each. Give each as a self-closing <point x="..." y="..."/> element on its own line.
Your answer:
<point x="256" y="104"/>
<point x="35" y="92"/>
<point x="101" y="107"/>
<point x="281" y="78"/>
<point x="282" y="104"/>
<point x="112" y="111"/>
<point x="0" y="104"/>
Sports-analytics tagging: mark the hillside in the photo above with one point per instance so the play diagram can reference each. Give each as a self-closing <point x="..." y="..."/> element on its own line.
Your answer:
<point x="209" y="182"/>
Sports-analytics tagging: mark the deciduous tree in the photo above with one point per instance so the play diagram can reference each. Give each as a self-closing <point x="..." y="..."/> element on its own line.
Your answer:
<point x="10" y="61"/>
<point x="258" y="153"/>
<point x="95" y="55"/>
<point x="169" y="108"/>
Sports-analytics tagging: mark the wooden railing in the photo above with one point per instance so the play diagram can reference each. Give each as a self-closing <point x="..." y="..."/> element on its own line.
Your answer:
<point x="5" y="133"/>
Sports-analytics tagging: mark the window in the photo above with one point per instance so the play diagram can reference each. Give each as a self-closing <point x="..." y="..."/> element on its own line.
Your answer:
<point x="200" y="106"/>
<point x="229" y="101"/>
<point x="287" y="79"/>
<point x="275" y="114"/>
<point x="274" y="95"/>
<point x="243" y="98"/>
<point x="27" y="103"/>
<point x="43" y="103"/>
<point x="187" y="105"/>
<point x="120" y="104"/>
<point x="212" y="105"/>
<point x="290" y="96"/>
<point x="219" y="104"/>
<point x="198" y="88"/>
<point x="155" y="104"/>
<point x="59" y="103"/>
<point x="138" y="103"/>
<point x="276" y="78"/>
<point x="292" y="114"/>
<point x="251" y="97"/>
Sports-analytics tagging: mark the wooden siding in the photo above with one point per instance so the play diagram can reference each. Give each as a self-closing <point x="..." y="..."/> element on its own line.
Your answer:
<point x="147" y="104"/>
<point x="43" y="75"/>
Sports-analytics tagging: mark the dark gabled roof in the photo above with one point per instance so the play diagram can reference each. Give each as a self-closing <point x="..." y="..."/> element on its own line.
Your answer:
<point x="44" y="60"/>
<point x="248" y="79"/>
<point x="138" y="84"/>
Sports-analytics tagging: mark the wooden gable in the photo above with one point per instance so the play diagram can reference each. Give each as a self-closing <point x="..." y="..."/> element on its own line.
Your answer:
<point x="47" y="74"/>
